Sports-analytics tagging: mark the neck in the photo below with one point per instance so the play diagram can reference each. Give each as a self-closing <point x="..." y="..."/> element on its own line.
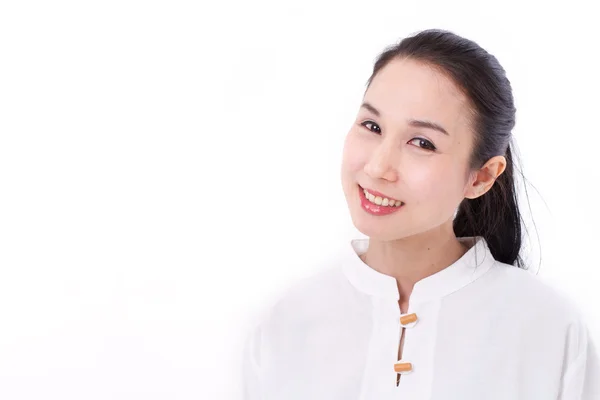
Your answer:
<point x="413" y="258"/>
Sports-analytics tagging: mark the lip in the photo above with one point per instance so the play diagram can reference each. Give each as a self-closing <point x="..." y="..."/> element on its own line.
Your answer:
<point x="374" y="209"/>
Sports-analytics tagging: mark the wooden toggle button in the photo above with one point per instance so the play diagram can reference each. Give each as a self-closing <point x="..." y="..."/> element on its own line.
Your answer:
<point x="408" y="319"/>
<point x="402" y="367"/>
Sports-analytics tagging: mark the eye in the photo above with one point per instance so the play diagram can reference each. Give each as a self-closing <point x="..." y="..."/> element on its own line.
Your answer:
<point x="428" y="145"/>
<point x="373" y="124"/>
<point x="424" y="143"/>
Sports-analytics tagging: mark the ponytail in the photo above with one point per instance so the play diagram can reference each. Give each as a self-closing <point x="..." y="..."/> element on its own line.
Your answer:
<point x="495" y="216"/>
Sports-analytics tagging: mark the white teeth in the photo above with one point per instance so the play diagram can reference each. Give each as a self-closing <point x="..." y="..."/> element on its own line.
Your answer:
<point x="381" y="201"/>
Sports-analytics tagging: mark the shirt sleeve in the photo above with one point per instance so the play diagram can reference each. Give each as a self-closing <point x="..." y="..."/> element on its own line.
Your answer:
<point x="251" y="371"/>
<point x="581" y="378"/>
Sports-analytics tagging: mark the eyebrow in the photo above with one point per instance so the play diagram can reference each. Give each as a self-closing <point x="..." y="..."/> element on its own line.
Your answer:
<point x="412" y="122"/>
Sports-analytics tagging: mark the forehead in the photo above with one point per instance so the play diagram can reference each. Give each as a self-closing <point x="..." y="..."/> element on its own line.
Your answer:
<point x="405" y="89"/>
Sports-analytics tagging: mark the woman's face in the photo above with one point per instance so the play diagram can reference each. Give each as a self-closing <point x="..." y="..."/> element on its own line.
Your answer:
<point x="389" y="151"/>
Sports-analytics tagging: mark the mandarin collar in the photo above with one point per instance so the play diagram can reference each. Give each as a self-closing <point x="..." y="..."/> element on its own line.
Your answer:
<point x="474" y="263"/>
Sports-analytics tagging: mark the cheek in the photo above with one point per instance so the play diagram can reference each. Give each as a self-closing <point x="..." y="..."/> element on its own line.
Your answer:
<point x="355" y="153"/>
<point x="433" y="185"/>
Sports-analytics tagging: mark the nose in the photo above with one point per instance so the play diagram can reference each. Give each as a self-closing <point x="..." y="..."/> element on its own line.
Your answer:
<point x="383" y="163"/>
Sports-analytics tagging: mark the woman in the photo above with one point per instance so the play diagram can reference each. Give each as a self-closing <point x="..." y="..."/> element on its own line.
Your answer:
<point x="435" y="303"/>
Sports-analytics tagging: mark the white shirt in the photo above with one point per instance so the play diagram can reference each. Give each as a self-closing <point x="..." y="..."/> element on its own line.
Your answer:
<point x="484" y="330"/>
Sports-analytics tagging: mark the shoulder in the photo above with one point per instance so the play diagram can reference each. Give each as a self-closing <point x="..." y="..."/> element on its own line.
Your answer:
<point x="318" y="294"/>
<point x="532" y="308"/>
<point x="533" y="295"/>
<point x="294" y="303"/>
<point x="316" y="297"/>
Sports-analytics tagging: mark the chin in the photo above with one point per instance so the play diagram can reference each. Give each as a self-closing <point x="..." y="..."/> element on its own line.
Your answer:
<point x="376" y="230"/>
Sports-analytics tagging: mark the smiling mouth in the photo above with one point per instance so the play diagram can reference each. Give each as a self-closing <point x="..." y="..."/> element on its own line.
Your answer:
<point x="378" y="199"/>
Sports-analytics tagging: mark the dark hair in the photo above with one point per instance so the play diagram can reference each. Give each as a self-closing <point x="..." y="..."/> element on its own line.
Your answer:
<point x="494" y="215"/>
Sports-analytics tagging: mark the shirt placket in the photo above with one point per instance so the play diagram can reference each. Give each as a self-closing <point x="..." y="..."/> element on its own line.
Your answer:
<point x="379" y="378"/>
<point x="417" y="363"/>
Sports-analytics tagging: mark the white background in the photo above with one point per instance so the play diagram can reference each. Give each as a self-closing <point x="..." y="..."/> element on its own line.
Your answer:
<point x="168" y="168"/>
